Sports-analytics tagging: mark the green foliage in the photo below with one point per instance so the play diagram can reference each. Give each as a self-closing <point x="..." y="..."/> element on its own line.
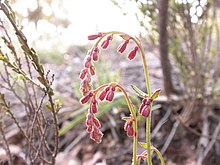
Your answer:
<point x="193" y="41"/>
<point x="23" y="79"/>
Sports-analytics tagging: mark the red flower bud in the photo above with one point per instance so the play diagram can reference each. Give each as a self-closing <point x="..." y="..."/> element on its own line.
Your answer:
<point x="121" y="48"/>
<point x="83" y="73"/>
<point x="88" y="64"/>
<point x="127" y="124"/>
<point x="85" y="99"/>
<point x="107" y="88"/>
<point x="95" y="54"/>
<point x="128" y="127"/>
<point x="94" y="107"/>
<point x="93" y="37"/>
<point x="110" y="95"/>
<point x="102" y="95"/>
<point x="89" y="120"/>
<point x="90" y="94"/>
<point x="96" y="135"/>
<point x="110" y="37"/>
<point x="96" y="123"/>
<point x="89" y="129"/>
<point x="141" y="108"/>
<point x="145" y="111"/>
<point x="105" y="44"/>
<point x="130" y="131"/>
<point x="132" y="53"/>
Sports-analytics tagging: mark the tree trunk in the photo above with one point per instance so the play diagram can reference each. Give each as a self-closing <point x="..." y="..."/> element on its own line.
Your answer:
<point x="163" y="42"/>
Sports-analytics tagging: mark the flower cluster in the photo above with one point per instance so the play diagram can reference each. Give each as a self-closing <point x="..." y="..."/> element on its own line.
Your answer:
<point x="108" y="93"/>
<point x="93" y="55"/>
<point x="144" y="108"/>
<point x="93" y="127"/>
<point x="128" y="127"/>
<point x="92" y="123"/>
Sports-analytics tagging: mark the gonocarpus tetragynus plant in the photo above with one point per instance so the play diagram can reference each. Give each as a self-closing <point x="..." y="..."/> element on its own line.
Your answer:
<point x="107" y="92"/>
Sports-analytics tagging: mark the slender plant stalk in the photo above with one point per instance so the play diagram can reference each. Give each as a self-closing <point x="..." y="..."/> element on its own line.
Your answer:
<point x="135" y="138"/>
<point x="148" y="119"/>
<point x="160" y="156"/>
<point x="132" y="111"/>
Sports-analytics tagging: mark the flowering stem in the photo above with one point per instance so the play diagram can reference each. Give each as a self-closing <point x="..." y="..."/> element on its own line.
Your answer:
<point x="135" y="138"/>
<point x="131" y="55"/>
<point x="105" y="34"/>
<point x="132" y="111"/>
<point x="148" y="119"/>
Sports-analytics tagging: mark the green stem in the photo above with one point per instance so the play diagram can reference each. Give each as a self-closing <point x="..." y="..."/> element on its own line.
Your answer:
<point x="160" y="156"/>
<point x="148" y="120"/>
<point x="133" y="113"/>
<point x="135" y="138"/>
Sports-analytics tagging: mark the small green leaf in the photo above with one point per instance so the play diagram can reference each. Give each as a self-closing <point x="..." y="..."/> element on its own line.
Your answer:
<point x="144" y="145"/>
<point x="49" y="107"/>
<point x="20" y="77"/>
<point x="1" y="57"/>
<point x="41" y="80"/>
<point x="156" y="94"/>
<point x="138" y="91"/>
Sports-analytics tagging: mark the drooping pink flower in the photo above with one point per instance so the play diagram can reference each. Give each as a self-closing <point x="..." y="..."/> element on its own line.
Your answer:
<point x="86" y="98"/>
<point x="94" y="36"/>
<point x="145" y="111"/>
<point x="121" y="48"/>
<point x="94" y="106"/>
<point x="96" y="122"/>
<point x="132" y="53"/>
<point x="128" y="127"/>
<point x="93" y="127"/>
<point x="110" y="96"/>
<point x="105" y="44"/>
<point x="83" y="73"/>
<point x="88" y="63"/>
<point x="103" y="94"/>
<point x="96" y="135"/>
<point x="110" y="37"/>
<point x="144" y="108"/>
<point x="89" y="119"/>
<point x="95" y="54"/>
